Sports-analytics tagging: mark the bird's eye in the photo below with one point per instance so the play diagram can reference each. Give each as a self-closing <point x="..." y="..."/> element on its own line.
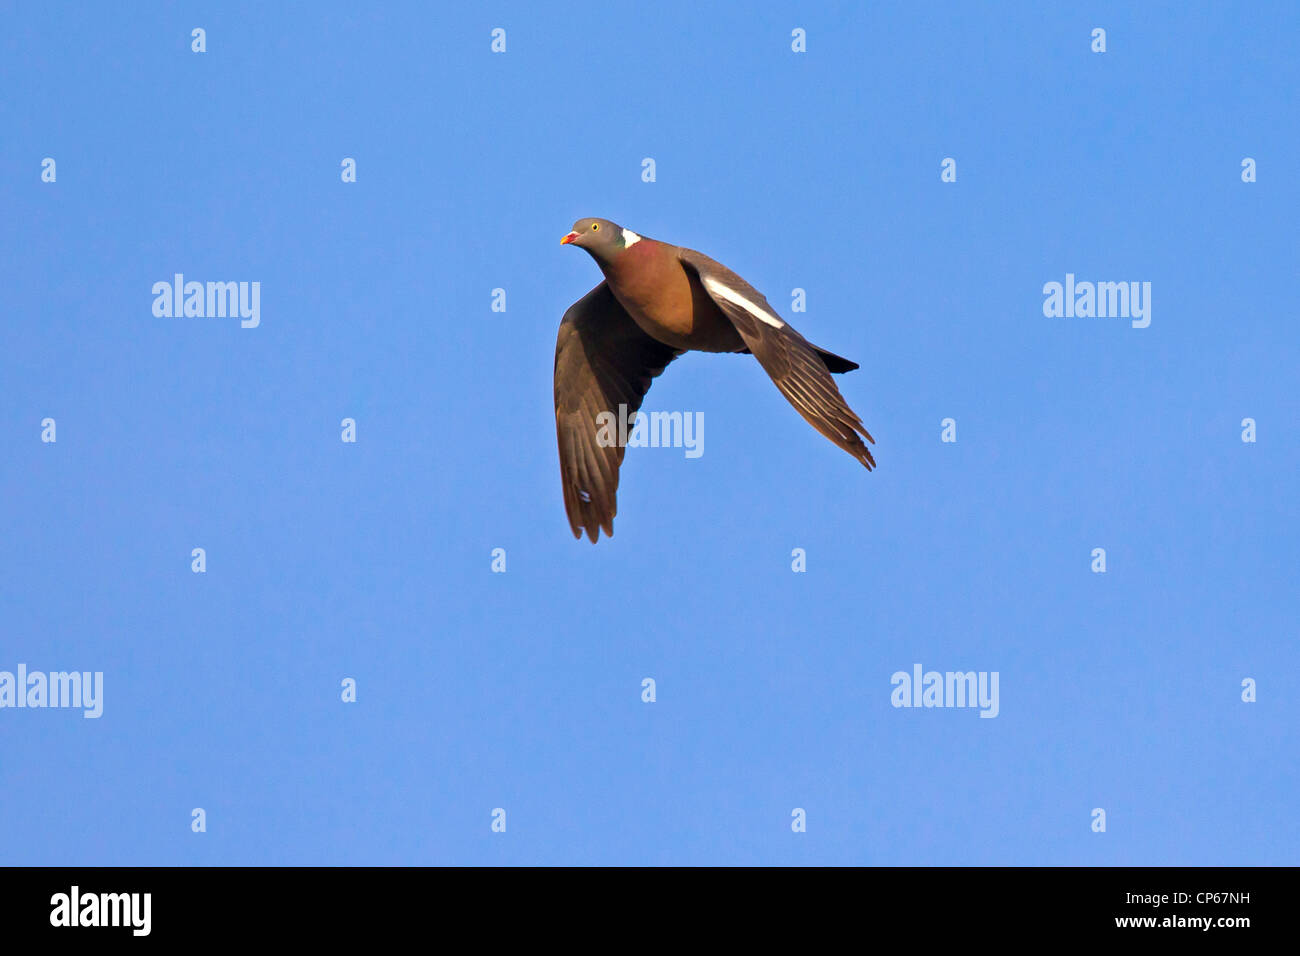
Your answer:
<point x="595" y="226"/>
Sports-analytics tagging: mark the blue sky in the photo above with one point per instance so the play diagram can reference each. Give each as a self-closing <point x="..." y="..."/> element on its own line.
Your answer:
<point x="372" y="560"/>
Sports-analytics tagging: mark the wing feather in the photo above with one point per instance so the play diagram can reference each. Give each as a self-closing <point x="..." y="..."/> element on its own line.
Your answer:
<point x="602" y="360"/>
<point x="794" y="364"/>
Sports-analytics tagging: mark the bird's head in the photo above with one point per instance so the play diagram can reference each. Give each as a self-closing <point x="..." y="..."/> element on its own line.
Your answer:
<point x="600" y="237"/>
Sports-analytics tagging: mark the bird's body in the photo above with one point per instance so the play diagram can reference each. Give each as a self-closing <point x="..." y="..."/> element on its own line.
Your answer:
<point x="657" y="301"/>
<point x="667" y="302"/>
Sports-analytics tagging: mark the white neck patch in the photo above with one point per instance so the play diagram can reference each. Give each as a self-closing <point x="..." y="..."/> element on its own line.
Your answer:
<point x="630" y="238"/>
<point x="722" y="291"/>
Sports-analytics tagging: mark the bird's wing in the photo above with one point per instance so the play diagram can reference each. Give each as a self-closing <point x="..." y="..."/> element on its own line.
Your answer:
<point x="602" y="360"/>
<point x="791" y="360"/>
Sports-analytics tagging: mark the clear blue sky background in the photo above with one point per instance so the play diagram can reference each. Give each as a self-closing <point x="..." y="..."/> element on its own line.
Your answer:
<point x="522" y="690"/>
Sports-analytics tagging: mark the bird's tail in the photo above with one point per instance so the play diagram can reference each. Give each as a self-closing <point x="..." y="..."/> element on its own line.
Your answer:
<point x="836" y="363"/>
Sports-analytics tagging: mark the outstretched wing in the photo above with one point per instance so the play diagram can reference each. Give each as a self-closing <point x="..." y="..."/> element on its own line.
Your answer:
<point x="794" y="363"/>
<point x="602" y="360"/>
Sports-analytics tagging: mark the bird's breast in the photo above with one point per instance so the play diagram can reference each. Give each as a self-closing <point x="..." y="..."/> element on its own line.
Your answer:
<point x="668" y="303"/>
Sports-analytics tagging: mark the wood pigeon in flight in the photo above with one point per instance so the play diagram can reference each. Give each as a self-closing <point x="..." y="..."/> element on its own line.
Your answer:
<point x="656" y="302"/>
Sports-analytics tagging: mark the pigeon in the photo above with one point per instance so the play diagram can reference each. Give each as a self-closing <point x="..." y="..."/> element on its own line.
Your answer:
<point x="657" y="301"/>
